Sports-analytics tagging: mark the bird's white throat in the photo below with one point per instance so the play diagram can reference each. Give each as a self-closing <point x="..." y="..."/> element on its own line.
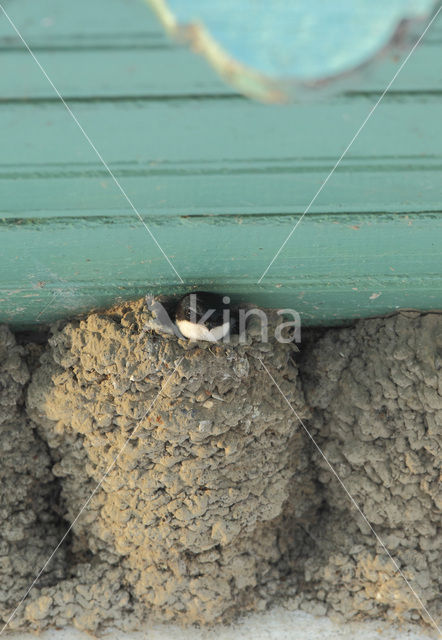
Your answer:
<point x="194" y="331"/>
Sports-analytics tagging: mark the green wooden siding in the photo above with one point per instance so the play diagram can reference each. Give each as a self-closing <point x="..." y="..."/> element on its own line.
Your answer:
<point x="219" y="179"/>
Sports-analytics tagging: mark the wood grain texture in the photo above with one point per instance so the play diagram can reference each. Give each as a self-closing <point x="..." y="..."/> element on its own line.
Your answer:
<point x="220" y="180"/>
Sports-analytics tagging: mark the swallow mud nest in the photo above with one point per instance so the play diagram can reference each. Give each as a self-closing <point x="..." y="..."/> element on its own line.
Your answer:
<point x="219" y="503"/>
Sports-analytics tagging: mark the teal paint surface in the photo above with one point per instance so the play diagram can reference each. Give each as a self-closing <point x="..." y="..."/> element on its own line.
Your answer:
<point x="220" y="180"/>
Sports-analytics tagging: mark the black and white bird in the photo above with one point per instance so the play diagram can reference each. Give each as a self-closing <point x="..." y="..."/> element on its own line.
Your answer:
<point x="204" y="316"/>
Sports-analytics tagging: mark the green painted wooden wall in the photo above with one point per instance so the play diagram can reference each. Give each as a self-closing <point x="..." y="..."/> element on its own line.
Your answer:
<point x="219" y="179"/>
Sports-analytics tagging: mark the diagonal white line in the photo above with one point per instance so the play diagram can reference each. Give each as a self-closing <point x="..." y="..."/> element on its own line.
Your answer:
<point x="396" y="566"/>
<point x="100" y="157"/>
<point x="56" y="294"/>
<point x="106" y="473"/>
<point x="338" y="162"/>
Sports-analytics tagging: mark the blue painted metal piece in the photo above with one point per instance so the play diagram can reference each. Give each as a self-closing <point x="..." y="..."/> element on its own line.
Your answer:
<point x="268" y="49"/>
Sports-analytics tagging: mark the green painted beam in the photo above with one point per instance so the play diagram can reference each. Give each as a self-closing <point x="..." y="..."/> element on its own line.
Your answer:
<point x="339" y="267"/>
<point x="202" y="158"/>
<point x="220" y="180"/>
<point x="133" y="71"/>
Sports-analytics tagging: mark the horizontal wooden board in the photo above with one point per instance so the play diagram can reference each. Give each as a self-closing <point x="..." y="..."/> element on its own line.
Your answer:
<point x="84" y="23"/>
<point x="197" y="157"/>
<point x="155" y="68"/>
<point x="336" y="267"/>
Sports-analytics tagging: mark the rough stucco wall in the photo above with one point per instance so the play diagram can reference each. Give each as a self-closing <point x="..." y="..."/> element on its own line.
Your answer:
<point x="29" y="526"/>
<point x="220" y="504"/>
<point x="376" y="394"/>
